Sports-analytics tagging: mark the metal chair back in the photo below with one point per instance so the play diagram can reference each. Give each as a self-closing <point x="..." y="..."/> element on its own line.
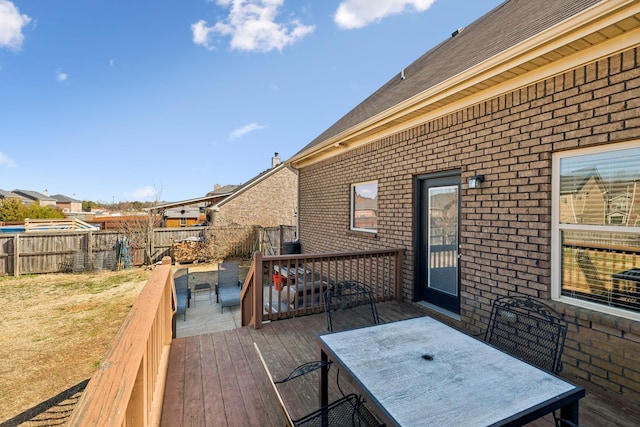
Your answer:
<point x="348" y="295"/>
<point x="349" y="410"/>
<point x="529" y="330"/>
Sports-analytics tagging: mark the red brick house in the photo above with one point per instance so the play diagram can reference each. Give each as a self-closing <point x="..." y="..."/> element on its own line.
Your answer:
<point x="475" y="151"/>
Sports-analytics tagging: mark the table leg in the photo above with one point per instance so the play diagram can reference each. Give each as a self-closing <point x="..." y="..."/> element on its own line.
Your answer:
<point x="324" y="380"/>
<point x="570" y="413"/>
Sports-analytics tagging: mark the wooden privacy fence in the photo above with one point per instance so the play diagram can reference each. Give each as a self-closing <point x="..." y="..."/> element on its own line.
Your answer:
<point x="127" y="389"/>
<point x="65" y="251"/>
<point x="279" y="287"/>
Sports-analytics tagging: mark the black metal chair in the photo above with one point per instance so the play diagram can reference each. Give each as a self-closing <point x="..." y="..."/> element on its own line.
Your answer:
<point x="348" y="295"/>
<point x="529" y="330"/>
<point x="349" y="410"/>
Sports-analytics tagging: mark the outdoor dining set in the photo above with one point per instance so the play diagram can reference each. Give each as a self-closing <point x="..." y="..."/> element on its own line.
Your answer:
<point x="419" y="371"/>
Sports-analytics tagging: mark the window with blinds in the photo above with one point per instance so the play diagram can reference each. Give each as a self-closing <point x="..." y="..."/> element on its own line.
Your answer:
<point x="596" y="206"/>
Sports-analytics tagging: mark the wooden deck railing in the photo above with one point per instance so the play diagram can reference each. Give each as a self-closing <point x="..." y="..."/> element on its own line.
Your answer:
<point x="595" y="273"/>
<point x="279" y="287"/>
<point x="128" y="387"/>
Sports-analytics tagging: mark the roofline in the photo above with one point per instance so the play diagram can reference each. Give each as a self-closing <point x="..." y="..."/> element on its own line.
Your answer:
<point x="250" y="184"/>
<point x="187" y="202"/>
<point x="570" y="30"/>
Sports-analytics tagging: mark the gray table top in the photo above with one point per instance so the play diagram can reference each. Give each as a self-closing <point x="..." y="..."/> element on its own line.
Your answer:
<point x="467" y="382"/>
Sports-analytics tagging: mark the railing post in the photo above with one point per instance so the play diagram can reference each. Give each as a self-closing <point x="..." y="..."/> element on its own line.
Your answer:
<point x="257" y="291"/>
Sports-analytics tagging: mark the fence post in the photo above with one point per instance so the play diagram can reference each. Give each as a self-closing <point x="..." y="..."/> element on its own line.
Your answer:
<point x="16" y="255"/>
<point x="90" y="250"/>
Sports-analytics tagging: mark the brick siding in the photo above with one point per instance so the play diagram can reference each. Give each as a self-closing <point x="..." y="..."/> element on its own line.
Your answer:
<point x="505" y="232"/>
<point x="270" y="202"/>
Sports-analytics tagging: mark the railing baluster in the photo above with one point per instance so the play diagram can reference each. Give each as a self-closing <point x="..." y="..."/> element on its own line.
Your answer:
<point x="378" y="269"/>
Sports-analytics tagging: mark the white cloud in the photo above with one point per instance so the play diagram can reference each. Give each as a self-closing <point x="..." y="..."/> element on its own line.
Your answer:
<point x="11" y="24"/>
<point x="252" y="26"/>
<point x="201" y="34"/>
<point x="6" y="161"/>
<point x="61" y="77"/>
<point x="240" y="132"/>
<point x="147" y="193"/>
<point x="352" y="14"/>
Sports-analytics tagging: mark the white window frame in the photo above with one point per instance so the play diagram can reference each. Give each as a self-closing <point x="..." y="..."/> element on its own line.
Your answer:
<point x="557" y="228"/>
<point x="353" y="210"/>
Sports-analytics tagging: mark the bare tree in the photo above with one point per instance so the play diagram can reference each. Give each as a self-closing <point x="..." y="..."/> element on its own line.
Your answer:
<point x="138" y="229"/>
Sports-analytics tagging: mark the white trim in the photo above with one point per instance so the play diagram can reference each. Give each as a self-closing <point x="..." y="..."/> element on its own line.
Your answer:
<point x="352" y="207"/>
<point x="556" y="228"/>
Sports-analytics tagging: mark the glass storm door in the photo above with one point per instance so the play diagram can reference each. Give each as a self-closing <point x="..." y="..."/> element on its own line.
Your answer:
<point x="439" y="282"/>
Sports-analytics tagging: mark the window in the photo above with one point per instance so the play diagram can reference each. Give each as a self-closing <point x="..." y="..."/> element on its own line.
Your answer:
<point x="364" y="206"/>
<point x="183" y="222"/>
<point x="596" y="229"/>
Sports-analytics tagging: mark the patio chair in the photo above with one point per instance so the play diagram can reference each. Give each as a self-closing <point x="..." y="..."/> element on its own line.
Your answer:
<point x="529" y="330"/>
<point x="228" y="286"/>
<point x="348" y="410"/>
<point x="183" y="293"/>
<point x="348" y="295"/>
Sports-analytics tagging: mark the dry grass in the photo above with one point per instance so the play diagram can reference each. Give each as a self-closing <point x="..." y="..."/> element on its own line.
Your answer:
<point x="54" y="330"/>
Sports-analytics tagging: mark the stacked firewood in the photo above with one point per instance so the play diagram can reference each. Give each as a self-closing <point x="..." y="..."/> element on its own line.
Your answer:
<point x="188" y="251"/>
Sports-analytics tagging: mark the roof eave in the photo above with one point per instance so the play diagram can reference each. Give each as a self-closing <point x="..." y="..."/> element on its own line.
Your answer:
<point x="492" y="76"/>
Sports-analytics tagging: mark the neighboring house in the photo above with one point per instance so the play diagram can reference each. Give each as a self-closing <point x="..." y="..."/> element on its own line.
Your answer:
<point x="583" y="197"/>
<point x="67" y="204"/>
<point x="34" y="196"/>
<point x="268" y="200"/>
<point x="11" y="195"/>
<point x="184" y="216"/>
<point x="470" y="146"/>
<point x="172" y="213"/>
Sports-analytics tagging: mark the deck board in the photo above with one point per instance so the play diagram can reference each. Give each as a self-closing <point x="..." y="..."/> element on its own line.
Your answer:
<point x="217" y="379"/>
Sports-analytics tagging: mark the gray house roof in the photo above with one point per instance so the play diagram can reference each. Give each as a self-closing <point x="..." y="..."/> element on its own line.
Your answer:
<point x="509" y="24"/>
<point x="34" y="195"/>
<point x="64" y="199"/>
<point x="9" y="194"/>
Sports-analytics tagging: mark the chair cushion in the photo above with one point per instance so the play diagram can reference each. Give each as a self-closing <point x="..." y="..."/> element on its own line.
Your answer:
<point x="229" y="296"/>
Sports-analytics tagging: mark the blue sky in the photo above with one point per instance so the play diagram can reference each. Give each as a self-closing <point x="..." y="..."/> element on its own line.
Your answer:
<point x="114" y="100"/>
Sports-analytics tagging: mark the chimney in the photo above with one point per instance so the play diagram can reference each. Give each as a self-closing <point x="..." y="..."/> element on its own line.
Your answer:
<point x="46" y="192"/>
<point x="275" y="160"/>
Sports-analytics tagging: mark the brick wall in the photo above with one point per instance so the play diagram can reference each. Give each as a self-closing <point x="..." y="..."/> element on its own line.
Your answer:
<point x="271" y="202"/>
<point x="505" y="230"/>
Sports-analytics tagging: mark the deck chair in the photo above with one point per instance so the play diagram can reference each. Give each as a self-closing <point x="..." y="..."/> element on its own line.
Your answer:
<point x="183" y="293"/>
<point x="529" y="330"/>
<point x="228" y="286"/>
<point x="348" y="295"/>
<point x="349" y="410"/>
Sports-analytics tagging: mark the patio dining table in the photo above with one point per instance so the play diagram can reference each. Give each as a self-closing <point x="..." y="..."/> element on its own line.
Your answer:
<point x="421" y="372"/>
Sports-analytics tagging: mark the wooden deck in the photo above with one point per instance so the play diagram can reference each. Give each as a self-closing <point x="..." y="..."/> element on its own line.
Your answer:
<point x="217" y="379"/>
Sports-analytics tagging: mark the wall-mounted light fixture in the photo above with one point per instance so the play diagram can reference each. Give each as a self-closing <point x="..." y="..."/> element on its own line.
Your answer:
<point x="475" y="181"/>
